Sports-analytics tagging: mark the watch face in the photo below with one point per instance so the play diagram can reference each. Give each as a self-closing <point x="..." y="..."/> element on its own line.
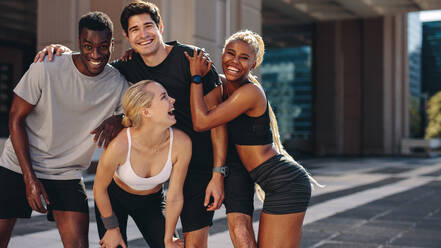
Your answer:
<point x="197" y="79"/>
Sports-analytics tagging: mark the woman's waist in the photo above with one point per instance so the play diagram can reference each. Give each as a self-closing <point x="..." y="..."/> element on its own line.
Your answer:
<point x="253" y="156"/>
<point x="120" y="183"/>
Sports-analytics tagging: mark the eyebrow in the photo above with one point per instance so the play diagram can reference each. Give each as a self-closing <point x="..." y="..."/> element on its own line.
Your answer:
<point x="135" y="26"/>
<point x="88" y="41"/>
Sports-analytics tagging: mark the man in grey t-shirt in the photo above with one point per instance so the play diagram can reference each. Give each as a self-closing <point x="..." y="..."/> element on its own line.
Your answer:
<point x="54" y="108"/>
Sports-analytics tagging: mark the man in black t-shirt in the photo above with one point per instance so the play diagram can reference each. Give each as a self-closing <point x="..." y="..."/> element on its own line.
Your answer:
<point x="166" y="63"/>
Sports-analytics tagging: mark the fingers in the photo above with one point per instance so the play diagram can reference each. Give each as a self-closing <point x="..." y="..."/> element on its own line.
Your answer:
<point x="60" y="50"/>
<point x="110" y="137"/>
<point x="45" y="197"/>
<point x="207" y="199"/>
<point x="217" y="202"/>
<point x="123" y="245"/>
<point x="50" y="53"/>
<point x="187" y="56"/>
<point x="37" y="205"/>
<point x="127" y="55"/>
<point x="97" y="132"/>
<point x="40" y="56"/>
<point x="102" y="138"/>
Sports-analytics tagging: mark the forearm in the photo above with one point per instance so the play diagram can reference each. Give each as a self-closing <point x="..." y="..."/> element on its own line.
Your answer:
<point x="219" y="140"/>
<point x="102" y="201"/>
<point x="173" y="209"/>
<point x="20" y="142"/>
<point x="199" y="110"/>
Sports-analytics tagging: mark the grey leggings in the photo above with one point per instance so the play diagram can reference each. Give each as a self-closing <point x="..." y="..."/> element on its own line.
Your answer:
<point x="286" y="185"/>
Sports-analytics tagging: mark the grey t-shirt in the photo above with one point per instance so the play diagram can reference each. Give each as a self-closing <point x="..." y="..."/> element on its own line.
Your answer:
<point x="68" y="106"/>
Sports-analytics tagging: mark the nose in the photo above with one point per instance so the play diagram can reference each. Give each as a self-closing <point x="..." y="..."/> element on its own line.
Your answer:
<point x="235" y="59"/>
<point x="172" y="100"/>
<point x="144" y="32"/>
<point x="96" y="53"/>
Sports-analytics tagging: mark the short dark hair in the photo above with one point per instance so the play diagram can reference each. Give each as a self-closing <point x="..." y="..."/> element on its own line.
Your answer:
<point x="137" y="8"/>
<point x="97" y="21"/>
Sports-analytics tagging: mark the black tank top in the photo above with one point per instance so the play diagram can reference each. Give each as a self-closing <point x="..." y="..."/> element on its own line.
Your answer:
<point x="246" y="130"/>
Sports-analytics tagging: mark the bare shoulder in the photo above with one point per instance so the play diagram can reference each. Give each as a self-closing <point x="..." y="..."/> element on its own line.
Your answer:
<point x="180" y="138"/>
<point x="250" y="91"/>
<point x="118" y="147"/>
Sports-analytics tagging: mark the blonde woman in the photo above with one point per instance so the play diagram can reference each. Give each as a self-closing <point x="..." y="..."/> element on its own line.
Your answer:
<point x="252" y="128"/>
<point x="134" y="166"/>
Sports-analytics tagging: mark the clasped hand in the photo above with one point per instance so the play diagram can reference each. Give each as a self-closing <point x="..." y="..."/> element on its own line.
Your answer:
<point x="199" y="64"/>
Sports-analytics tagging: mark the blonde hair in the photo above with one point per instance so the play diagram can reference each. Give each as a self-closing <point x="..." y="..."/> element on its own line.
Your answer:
<point x="135" y="98"/>
<point x="255" y="41"/>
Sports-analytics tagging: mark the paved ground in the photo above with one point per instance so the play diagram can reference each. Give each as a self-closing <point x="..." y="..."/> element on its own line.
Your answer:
<point x="367" y="202"/>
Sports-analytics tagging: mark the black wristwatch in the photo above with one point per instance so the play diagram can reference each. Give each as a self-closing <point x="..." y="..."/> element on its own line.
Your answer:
<point x="197" y="79"/>
<point x="222" y="170"/>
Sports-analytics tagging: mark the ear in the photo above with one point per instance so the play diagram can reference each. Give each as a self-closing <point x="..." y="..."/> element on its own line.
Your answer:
<point x="254" y="65"/>
<point x="125" y="35"/>
<point x="161" y="27"/>
<point x="112" y="45"/>
<point x="146" y="112"/>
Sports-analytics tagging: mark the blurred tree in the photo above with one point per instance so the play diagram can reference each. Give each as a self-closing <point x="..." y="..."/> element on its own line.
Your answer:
<point x="433" y="129"/>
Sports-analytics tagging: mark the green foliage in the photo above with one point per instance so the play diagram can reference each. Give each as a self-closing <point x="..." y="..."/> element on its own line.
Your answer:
<point x="415" y="119"/>
<point x="433" y="129"/>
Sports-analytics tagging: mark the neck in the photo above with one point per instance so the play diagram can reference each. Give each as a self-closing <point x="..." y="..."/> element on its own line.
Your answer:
<point x="149" y="135"/>
<point x="81" y="67"/>
<point x="233" y="85"/>
<point x="157" y="57"/>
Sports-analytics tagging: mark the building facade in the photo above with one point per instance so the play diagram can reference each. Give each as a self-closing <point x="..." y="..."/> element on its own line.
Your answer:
<point x="336" y="71"/>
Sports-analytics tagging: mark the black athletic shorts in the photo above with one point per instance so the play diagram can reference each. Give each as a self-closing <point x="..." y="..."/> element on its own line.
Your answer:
<point x="194" y="215"/>
<point x="239" y="190"/>
<point x="286" y="185"/>
<point x="64" y="195"/>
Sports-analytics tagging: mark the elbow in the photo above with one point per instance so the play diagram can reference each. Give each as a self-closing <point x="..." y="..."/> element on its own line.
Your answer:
<point x="14" y="124"/>
<point x="200" y="125"/>
<point x="200" y="128"/>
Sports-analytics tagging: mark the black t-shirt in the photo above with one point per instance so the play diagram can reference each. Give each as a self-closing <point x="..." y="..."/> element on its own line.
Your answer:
<point x="174" y="74"/>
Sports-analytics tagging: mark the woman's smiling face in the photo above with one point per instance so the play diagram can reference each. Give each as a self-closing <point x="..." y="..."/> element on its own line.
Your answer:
<point x="238" y="60"/>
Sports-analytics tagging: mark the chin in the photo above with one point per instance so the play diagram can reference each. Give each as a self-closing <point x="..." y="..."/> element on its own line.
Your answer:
<point x="95" y="70"/>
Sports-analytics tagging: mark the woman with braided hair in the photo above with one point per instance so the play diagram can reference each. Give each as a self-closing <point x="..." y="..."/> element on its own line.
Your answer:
<point x="134" y="166"/>
<point x="252" y="128"/>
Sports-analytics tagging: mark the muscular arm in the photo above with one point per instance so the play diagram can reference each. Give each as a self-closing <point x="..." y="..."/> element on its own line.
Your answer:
<point x="241" y="101"/>
<point x="20" y="109"/>
<point x="109" y="161"/>
<point x="175" y="197"/>
<point x="219" y="140"/>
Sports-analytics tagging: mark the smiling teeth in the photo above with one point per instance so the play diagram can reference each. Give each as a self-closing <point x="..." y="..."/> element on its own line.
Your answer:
<point x="146" y="42"/>
<point x="232" y="69"/>
<point x="95" y="63"/>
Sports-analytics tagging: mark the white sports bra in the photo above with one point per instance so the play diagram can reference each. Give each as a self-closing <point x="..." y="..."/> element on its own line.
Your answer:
<point x="128" y="176"/>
